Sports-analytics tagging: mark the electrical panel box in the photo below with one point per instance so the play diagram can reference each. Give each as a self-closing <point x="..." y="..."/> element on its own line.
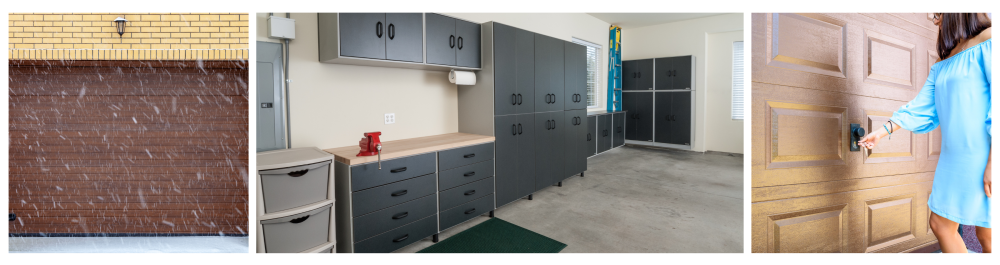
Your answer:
<point x="280" y="28"/>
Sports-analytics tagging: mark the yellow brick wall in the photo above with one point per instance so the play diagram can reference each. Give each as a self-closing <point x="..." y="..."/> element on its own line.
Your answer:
<point x="148" y="36"/>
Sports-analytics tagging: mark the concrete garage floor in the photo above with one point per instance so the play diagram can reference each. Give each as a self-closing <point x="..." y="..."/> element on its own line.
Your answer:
<point x="636" y="199"/>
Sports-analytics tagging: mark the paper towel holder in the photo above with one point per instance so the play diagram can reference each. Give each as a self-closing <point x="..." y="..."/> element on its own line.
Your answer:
<point x="462" y="78"/>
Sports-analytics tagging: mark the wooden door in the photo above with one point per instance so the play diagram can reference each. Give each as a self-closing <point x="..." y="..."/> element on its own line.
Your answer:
<point x="813" y="75"/>
<point x="112" y="148"/>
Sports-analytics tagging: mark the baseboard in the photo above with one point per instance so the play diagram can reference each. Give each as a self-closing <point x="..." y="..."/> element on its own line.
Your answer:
<point x="120" y="235"/>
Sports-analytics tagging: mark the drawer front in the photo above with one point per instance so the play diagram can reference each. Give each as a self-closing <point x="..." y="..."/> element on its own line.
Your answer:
<point x="378" y="222"/>
<point x="368" y="175"/>
<point x="297" y="233"/>
<point x="399" y="237"/>
<point x="287" y="188"/>
<point x="465" y="193"/>
<point x="453" y="158"/>
<point x="466" y="211"/>
<point x="465" y="174"/>
<point x="382" y="197"/>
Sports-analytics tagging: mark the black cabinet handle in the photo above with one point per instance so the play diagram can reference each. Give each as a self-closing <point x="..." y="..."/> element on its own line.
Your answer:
<point x="619" y="129"/>
<point x="518" y="98"/>
<point x="469" y="156"/>
<point x="299" y="173"/>
<point x="633" y="75"/>
<point x="473" y="173"/>
<point x="548" y="125"/>
<point x="398" y="170"/>
<point x="451" y="41"/>
<point x="553" y="98"/>
<point x="513" y="99"/>
<point x="378" y="29"/>
<point x="400" y="239"/>
<point x="640" y="75"/>
<point x="553" y="124"/>
<point x="470" y="211"/>
<point x="299" y="220"/>
<point x="519" y="129"/>
<point x="513" y="129"/>
<point x="467" y="193"/>
<point x="392" y="31"/>
<point x="399" y="193"/>
<point x="459" y="43"/>
<point x="588" y="137"/>
<point x="400" y="216"/>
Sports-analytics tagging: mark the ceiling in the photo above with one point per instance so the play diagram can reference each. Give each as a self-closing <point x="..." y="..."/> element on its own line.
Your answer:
<point x="636" y="20"/>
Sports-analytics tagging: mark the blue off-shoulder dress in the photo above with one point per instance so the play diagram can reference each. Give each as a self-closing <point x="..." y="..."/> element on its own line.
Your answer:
<point x="956" y="96"/>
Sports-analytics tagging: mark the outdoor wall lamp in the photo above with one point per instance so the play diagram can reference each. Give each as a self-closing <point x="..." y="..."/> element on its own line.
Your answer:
<point x="120" y="26"/>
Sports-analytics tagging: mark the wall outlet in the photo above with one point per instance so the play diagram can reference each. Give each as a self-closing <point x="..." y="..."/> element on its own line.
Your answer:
<point x="390" y="118"/>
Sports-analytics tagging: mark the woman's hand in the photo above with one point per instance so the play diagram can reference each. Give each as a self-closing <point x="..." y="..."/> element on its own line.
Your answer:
<point x="870" y="140"/>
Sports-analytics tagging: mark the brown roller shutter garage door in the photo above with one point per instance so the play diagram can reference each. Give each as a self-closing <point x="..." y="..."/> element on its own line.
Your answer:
<point x="118" y="148"/>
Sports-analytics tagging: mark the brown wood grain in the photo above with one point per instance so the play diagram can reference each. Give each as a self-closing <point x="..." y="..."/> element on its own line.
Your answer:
<point x="128" y="146"/>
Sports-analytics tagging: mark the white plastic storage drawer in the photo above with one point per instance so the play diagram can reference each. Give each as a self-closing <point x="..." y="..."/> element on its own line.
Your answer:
<point x="297" y="233"/>
<point x="291" y="187"/>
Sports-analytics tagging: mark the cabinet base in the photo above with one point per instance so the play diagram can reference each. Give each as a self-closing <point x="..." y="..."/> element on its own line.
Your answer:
<point x="491" y="214"/>
<point x="559" y="184"/>
<point x="529" y="196"/>
<point x="435" y="238"/>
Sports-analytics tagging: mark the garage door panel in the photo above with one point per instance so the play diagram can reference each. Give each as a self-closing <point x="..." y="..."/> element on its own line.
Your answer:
<point x="126" y="177"/>
<point x="806" y="149"/>
<point x="112" y="195"/>
<point x="762" y="194"/>
<point x="126" y="213"/>
<point x="221" y="150"/>
<point x="807" y="42"/>
<point x="123" y="119"/>
<point x="917" y="23"/>
<point x="70" y="90"/>
<point x="195" y="134"/>
<point x="888" y="61"/>
<point x="127" y="156"/>
<point x="127" y="127"/>
<point x="811" y="231"/>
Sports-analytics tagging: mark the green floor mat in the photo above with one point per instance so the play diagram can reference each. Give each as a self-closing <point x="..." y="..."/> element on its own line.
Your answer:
<point x="496" y="236"/>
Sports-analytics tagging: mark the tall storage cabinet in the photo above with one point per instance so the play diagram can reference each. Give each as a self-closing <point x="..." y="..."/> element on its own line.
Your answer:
<point x="664" y="116"/>
<point x="530" y="95"/>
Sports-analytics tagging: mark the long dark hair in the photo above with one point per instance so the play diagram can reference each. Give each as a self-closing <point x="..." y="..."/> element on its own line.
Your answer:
<point x="956" y="27"/>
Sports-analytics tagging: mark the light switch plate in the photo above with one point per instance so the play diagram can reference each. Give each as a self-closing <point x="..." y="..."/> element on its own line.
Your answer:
<point x="390" y="118"/>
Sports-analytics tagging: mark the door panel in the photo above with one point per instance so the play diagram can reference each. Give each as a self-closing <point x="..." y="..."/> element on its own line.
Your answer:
<point x="575" y="76"/>
<point x="440" y="39"/>
<point x="603" y="133"/>
<point x="618" y="121"/>
<point x="404" y="37"/>
<point x="629" y="105"/>
<point x="544" y="153"/>
<point x="644" y="116"/>
<point x="505" y="71"/>
<point x="526" y="156"/>
<point x="467" y="44"/>
<point x="359" y="35"/>
<point x="663" y="73"/>
<point x="575" y="141"/>
<point x="644" y="76"/>
<point x="629" y="70"/>
<point x="814" y="76"/>
<point x="591" y="135"/>
<point x="682" y="78"/>
<point x="558" y="133"/>
<point x="506" y="158"/>
<point x="525" y="56"/>
<point x="665" y="126"/>
<point x="549" y="74"/>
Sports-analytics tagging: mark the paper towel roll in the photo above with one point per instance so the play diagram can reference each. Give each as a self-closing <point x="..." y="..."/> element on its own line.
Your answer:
<point x="462" y="78"/>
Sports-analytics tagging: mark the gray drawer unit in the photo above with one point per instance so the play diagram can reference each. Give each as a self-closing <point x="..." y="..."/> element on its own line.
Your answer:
<point x="457" y="157"/>
<point x="291" y="187"/>
<point x="465" y="193"/>
<point x="297" y="233"/>
<point x="460" y="176"/>
<point x="466" y="211"/>
<point x="399" y="237"/>
<point x="378" y="222"/>
<point x="369" y="175"/>
<point x="382" y="197"/>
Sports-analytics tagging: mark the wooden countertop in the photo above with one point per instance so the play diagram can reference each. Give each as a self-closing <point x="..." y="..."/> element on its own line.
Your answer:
<point x="408" y="147"/>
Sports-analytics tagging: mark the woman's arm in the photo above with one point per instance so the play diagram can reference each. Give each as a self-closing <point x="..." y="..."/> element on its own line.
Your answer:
<point x="870" y="140"/>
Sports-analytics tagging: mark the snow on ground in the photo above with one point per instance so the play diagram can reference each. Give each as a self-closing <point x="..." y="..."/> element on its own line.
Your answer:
<point x="192" y="244"/>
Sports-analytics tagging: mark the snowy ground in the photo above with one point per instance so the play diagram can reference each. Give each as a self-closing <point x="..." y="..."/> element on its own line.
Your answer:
<point x="193" y="244"/>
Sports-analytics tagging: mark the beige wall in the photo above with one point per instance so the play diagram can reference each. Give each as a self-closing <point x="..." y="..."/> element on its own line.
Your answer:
<point x="687" y="37"/>
<point x="332" y="105"/>
<point x="722" y="133"/>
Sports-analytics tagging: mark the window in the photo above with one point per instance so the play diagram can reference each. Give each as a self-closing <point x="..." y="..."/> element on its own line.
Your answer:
<point x="738" y="80"/>
<point x="593" y="70"/>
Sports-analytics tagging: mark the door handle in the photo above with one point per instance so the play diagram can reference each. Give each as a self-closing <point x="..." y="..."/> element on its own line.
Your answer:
<point x="856" y="133"/>
<point x="518" y="98"/>
<point x="513" y="129"/>
<point x="299" y="220"/>
<point x="553" y="124"/>
<point x="398" y="170"/>
<point x="392" y="31"/>
<point x="588" y="137"/>
<point x="467" y="193"/>
<point x="513" y="99"/>
<point x="519" y="129"/>
<point x="299" y="173"/>
<point x="378" y="29"/>
<point x="400" y="216"/>
<point x="619" y="129"/>
<point x="399" y="193"/>
<point x="470" y="211"/>
<point x="401" y="239"/>
<point x="640" y="74"/>
<point x="451" y="41"/>
<point x="473" y="173"/>
<point x="469" y="156"/>
<point x="460" y="43"/>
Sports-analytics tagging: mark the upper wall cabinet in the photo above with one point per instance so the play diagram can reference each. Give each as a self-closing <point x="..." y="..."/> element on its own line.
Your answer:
<point x="398" y="40"/>
<point x="452" y="42"/>
<point x="674" y="72"/>
<point x="637" y="74"/>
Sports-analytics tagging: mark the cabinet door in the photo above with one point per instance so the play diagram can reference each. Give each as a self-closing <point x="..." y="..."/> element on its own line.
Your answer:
<point x="665" y="125"/>
<point x="629" y="105"/>
<point x="549" y="74"/>
<point x="525" y="58"/>
<point x="506" y="159"/>
<point x="404" y="37"/>
<point x="526" y="161"/>
<point x="603" y="134"/>
<point x="440" y="39"/>
<point x="575" y="141"/>
<point x="544" y="155"/>
<point x="684" y="73"/>
<point x="663" y="74"/>
<point x="681" y="117"/>
<point x="467" y="43"/>
<point x="591" y="135"/>
<point x="629" y="70"/>
<point x="644" y="76"/>
<point x="644" y="116"/>
<point x="558" y="132"/>
<point x="362" y="35"/>
<point x="505" y="71"/>
<point x="576" y="76"/>
<point x="618" y="120"/>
